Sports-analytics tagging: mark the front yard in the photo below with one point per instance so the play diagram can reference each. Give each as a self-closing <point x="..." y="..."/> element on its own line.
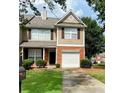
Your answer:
<point x="50" y="81"/>
<point x="42" y="81"/>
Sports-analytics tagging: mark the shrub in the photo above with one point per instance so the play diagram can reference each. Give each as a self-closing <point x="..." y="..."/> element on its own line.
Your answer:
<point x="27" y="64"/>
<point x="102" y="62"/>
<point x="41" y="63"/>
<point x="85" y="63"/>
<point x="100" y="65"/>
<point x="57" y="65"/>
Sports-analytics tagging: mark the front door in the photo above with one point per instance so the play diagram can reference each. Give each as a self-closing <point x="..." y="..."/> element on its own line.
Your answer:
<point x="52" y="58"/>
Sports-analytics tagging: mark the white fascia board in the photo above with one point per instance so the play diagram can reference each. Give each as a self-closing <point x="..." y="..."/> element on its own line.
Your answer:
<point x="71" y="45"/>
<point x="83" y="37"/>
<point x="57" y="38"/>
<point x="62" y="17"/>
<point x="79" y="20"/>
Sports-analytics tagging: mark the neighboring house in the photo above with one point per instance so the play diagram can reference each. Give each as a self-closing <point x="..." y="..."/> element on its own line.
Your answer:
<point x="58" y="41"/>
<point x="100" y="57"/>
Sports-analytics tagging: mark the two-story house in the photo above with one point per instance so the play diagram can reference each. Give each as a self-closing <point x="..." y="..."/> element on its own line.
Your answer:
<point x="58" y="41"/>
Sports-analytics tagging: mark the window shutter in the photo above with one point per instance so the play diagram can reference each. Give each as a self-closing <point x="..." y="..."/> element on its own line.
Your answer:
<point x="29" y="33"/>
<point x="78" y="33"/>
<point x="51" y="34"/>
<point x="62" y="33"/>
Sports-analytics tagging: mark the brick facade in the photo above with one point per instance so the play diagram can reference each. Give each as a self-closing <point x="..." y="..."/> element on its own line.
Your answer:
<point x="47" y="55"/>
<point x="59" y="52"/>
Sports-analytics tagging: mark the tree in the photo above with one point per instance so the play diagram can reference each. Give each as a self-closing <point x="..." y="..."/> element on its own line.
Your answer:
<point x="94" y="38"/>
<point x="23" y="4"/>
<point x="98" y="6"/>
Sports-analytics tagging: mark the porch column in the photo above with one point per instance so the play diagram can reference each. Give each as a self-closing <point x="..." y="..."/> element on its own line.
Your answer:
<point x="43" y="53"/>
<point x="22" y="54"/>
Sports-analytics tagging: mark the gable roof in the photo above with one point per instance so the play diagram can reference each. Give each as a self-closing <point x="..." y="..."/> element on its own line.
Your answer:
<point x="67" y="15"/>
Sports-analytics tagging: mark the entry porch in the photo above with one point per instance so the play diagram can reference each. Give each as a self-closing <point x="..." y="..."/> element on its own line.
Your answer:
<point x="34" y="54"/>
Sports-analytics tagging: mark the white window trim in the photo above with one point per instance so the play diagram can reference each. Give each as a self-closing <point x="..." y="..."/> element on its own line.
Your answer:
<point x="70" y="32"/>
<point x="43" y="53"/>
<point x="34" y="54"/>
<point x="40" y="35"/>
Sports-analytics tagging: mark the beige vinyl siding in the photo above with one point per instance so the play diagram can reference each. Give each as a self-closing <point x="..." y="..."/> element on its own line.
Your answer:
<point x="24" y="36"/>
<point x="54" y="34"/>
<point x="70" y="19"/>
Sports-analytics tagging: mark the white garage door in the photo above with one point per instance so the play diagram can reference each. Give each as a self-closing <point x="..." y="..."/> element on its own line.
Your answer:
<point x="70" y="59"/>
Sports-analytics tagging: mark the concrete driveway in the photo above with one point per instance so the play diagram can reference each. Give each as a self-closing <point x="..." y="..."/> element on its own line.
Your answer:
<point x="78" y="82"/>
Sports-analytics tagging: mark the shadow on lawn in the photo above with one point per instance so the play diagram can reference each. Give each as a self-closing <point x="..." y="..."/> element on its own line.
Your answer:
<point x="42" y="82"/>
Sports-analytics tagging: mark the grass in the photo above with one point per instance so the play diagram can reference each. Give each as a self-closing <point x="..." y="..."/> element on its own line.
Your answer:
<point x="99" y="75"/>
<point x="42" y="81"/>
<point x="101" y="65"/>
<point x="96" y="73"/>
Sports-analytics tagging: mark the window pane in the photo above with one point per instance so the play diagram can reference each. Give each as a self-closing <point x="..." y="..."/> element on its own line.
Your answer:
<point x="34" y="54"/>
<point x="31" y="53"/>
<point x="40" y="34"/>
<point x="70" y="33"/>
<point x="38" y="58"/>
<point x="67" y="36"/>
<point x="74" y="36"/>
<point x="38" y="53"/>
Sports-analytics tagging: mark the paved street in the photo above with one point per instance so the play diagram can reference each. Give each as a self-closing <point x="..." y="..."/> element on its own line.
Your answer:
<point x="78" y="82"/>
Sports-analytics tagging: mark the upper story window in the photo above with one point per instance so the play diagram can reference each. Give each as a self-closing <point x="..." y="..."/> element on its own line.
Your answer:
<point x="40" y="34"/>
<point x="70" y="33"/>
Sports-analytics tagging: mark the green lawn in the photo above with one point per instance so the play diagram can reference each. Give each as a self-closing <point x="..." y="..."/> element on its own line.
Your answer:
<point x="47" y="81"/>
<point x="98" y="75"/>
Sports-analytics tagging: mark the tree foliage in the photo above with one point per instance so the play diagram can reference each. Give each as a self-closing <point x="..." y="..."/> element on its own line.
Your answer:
<point x="25" y="4"/>
<point x="98" y="6"/>
<point x="94" y="38"/>
<point x="62" y="3"/>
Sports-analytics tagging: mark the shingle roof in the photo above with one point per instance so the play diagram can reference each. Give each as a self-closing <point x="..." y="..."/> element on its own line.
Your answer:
<point x="36" y="44"/>
<point x="37" y="22"/>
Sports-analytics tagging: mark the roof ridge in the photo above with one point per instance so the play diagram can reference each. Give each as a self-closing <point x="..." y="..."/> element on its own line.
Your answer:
<point x="39" y="16"/>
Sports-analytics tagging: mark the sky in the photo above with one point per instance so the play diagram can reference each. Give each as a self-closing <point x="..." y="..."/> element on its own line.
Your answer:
<point x="79" y="7"/>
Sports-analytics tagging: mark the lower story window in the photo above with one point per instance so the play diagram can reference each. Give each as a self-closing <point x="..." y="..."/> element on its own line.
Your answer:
<point x="34" y="54"/>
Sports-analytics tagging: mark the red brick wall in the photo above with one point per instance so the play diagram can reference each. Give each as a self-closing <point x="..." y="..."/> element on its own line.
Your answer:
<point x="59" y="52"/>
<point x="46" y="54"/>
